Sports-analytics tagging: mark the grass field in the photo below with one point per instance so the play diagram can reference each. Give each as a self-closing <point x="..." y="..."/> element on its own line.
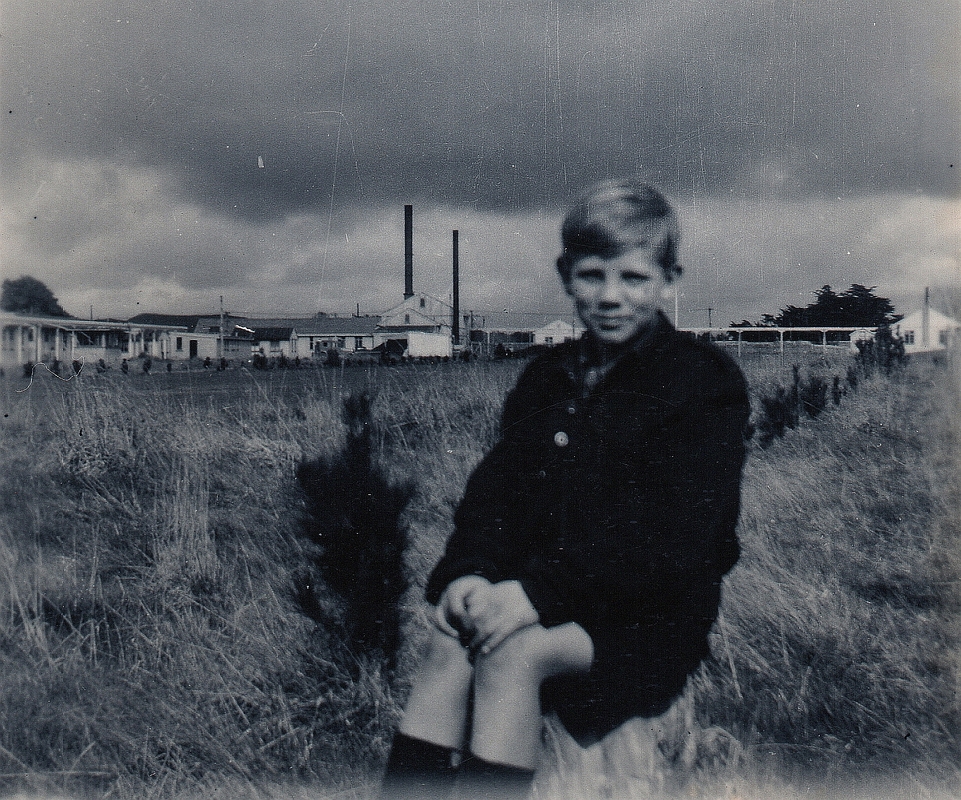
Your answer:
<point x="152" y="645"/>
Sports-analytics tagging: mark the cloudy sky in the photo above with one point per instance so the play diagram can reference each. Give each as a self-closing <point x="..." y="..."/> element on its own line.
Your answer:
<point x="157" y="155"/>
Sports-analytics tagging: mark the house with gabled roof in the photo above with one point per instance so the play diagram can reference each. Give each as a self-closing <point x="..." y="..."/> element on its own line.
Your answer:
<point x="274" y="341"/>
<point x="927" y="330"/>
<point x="420" y="325"/>
<point x="419" y="312"/>
<point x="557" y="332"/>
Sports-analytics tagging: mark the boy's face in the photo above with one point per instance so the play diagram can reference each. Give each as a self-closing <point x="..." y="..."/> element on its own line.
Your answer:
<point x="617" y="298"/>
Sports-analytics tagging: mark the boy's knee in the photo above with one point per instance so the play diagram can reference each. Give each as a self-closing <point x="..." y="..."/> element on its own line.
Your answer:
<point x="445" y="654"/>
<point x="523" y="657"/>
<point x="533" y="654"/>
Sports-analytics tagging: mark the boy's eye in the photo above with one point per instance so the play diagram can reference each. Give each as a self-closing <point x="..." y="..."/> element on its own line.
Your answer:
<point x="635" y="278"/>
<point x="590" y="275"/>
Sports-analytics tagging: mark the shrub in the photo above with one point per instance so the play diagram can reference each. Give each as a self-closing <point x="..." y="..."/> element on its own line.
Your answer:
<point x="774" y="416"/>
<point x="814" y="395"/>
<point x="836" y="391"/>
<point x="354" y="514"/>
<point x="884" y="353"/>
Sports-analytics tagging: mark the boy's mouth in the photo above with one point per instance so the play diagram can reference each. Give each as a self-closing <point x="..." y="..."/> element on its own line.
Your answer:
<point x="611" y="323"/>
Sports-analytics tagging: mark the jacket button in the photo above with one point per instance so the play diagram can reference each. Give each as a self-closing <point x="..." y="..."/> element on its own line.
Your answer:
<point x="571" y="410"/>
<point x="561" y="439"/>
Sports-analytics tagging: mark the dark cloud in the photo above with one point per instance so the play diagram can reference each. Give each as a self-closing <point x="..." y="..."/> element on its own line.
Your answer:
<point x="496" y="105"/>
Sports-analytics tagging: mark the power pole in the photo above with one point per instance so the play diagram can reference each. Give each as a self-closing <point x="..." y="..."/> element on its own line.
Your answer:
<point x="455" y="314"/>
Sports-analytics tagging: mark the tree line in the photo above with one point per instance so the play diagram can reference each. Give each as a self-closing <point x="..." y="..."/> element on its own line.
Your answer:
<point x="857" y="307"/>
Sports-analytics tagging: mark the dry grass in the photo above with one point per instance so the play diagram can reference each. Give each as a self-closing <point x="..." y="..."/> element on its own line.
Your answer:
<point x="151" y="647"/>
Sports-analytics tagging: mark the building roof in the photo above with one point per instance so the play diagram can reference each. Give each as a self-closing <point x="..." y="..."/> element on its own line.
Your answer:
<point x="323" y="325"/>
<point x="76" y="323"/>
<point x="405" y="318"/>
<point x="936" y="320"/>
<point x="188" y="321"/>
<point x="320" y="325"/>
<point x="560" y="325"/>
<point x="272" y="334"/>
<point x="429" y="310"/>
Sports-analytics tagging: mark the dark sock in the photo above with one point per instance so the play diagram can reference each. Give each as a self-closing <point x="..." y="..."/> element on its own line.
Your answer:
<point x="483" y="779"/>
<point x="417" y="769"/>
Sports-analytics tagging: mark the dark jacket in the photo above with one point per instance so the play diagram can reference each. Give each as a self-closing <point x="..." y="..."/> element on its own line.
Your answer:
<point x="616" y="509"/>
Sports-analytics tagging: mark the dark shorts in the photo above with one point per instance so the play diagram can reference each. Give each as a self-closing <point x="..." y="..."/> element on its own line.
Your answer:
<point x="591" y="708"/>
<point x="623" y="682"/>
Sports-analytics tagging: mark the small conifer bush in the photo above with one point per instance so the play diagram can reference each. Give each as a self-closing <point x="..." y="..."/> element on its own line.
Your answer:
<point x="354" y="513"/>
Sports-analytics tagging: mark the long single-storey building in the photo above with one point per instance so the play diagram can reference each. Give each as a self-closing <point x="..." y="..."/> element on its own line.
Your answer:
<point x="27" y="339"/>
<point x="313" y="337"/>
<point x="199" y="337"/>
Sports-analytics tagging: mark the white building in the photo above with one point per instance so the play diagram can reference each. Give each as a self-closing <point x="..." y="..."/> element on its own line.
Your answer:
<point x="421" y="325"/>
<point x="198" y="337"/>
<point x="315" y="336"/>
<point x="434" y="345"/>
<point x="927" y="330"/>
<point x="557" y="332"/>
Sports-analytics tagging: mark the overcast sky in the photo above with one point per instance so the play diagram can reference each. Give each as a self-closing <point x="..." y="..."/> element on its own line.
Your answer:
<point x="158" y="155"/>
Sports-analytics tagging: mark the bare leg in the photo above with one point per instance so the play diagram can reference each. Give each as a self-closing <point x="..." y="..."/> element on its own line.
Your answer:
<point x="436" y="710"/>
<point x="507" y="712"/>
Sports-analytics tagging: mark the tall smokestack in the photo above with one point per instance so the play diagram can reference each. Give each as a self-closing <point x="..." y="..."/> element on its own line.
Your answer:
<point x="408" y="251"/>
<point x="926" y="317"/>
<point x="455" y="325"/>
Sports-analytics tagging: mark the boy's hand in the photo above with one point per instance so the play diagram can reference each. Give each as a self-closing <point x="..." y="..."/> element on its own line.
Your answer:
<point x="454" y="612"/>
<point x="506" y="609"/>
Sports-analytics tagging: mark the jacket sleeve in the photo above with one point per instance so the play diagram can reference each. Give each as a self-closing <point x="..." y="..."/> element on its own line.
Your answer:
<point x="489" y="527"/>
<point x="661" y="540"/>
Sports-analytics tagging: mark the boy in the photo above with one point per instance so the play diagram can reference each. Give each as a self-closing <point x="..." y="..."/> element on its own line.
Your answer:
<point x="583" y="574"/>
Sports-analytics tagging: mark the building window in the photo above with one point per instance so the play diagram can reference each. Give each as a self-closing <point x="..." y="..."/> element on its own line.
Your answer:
<point x="548" y="340"/>
<point x="341" y="342"/>
<point x="943" y="338"/>
<point x="407" y="319"/>
<point x="423" y="302"/>
<point x="358" y="343"/>
<point x="909" y="337"/>
<point x="180" y="344"/>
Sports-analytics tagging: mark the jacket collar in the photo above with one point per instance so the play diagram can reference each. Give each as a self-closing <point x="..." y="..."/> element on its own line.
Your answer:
<point x="591" y="354"/>
<point x="584" y="365"/>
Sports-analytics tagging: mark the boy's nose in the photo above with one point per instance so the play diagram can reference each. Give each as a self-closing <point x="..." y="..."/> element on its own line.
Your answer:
<point x="610" y="293"/>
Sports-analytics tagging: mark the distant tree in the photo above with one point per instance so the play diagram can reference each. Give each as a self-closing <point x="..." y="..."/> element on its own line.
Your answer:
<point x="27" y="295"/>
<point x="861" y="301"/>
<point x="858" y="307"/>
